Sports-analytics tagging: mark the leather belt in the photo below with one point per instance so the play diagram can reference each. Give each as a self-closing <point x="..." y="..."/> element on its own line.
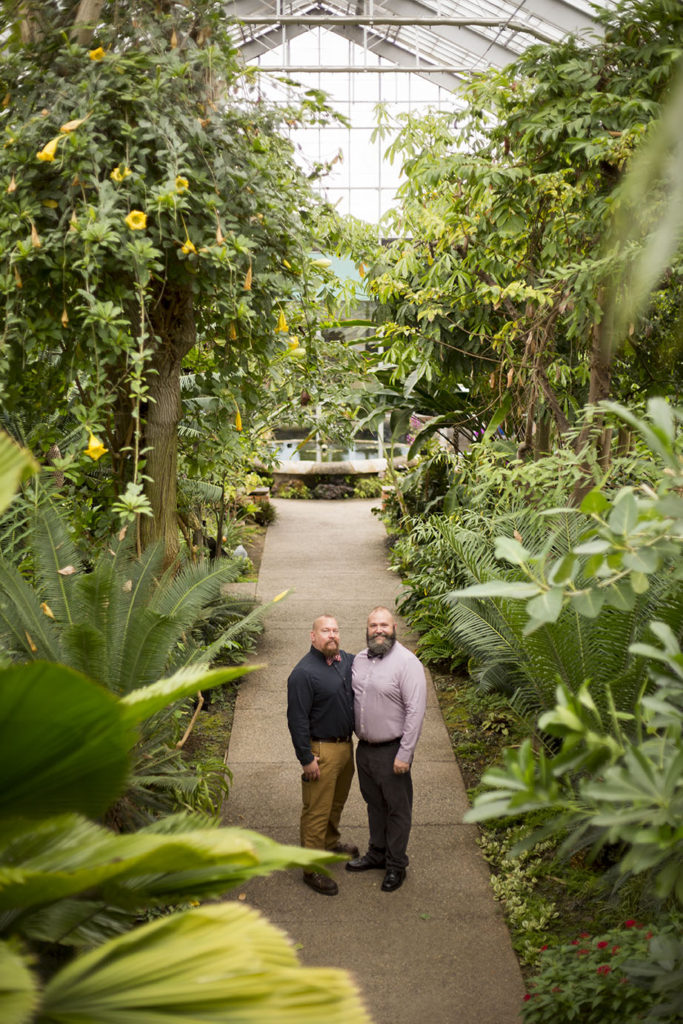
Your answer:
<point x="381" y="743"/>
<point x="331" y="739"/>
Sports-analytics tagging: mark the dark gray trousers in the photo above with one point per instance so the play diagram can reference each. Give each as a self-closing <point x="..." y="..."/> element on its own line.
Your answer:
<point x="390" y="802"/>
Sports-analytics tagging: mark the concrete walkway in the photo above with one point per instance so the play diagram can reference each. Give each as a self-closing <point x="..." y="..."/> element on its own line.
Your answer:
<point x="437" y="950"/>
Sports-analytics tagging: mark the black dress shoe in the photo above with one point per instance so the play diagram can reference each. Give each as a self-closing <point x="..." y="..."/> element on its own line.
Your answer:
<point x="393" y="879"/>
<point x="321" y="883"/>
<point x="347" y="848"/>
<point x="364" y="863"/>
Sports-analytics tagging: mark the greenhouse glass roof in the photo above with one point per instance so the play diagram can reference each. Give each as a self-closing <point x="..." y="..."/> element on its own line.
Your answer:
<point x="402" y="54"/>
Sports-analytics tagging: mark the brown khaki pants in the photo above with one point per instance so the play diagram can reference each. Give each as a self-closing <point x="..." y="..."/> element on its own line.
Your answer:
<point x="324" y="798"/>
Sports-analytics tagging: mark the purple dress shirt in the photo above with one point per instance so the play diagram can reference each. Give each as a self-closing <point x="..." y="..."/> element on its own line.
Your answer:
<point x="389" y="698"/>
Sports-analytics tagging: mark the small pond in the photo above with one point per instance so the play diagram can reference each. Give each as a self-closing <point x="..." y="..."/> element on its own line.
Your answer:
<point x="309" y="451"/>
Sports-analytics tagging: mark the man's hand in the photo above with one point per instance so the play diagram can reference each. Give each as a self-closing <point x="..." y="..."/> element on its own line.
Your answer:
<point x="312" y="770"/>
<point x="400" y="767"/>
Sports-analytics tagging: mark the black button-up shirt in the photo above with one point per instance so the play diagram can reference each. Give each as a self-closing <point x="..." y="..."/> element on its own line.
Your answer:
<point x="319" y="701"/>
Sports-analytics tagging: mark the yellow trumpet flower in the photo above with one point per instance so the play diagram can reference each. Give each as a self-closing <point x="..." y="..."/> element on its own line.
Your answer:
<point x="95" y="449"/>
<point x="49" y="150"/>
<point x="282" y="326"/>
<point x="136" y="220"/>
<point x="46" y="610"/>
<point x="119" y="173"/>
<point x="71" y="126"/>
<point x="188" y="247"/>
<point x="181" y="184"/>
<point x="238" y="420"/>
<point x="97" y="54"/>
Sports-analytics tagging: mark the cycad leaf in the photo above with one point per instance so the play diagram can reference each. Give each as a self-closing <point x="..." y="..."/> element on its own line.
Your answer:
<point x="63" y="742"/>
<point x="182" y="596"/>
<point x="25" y="629"/>
<point x="213" y="965"/>
<point x="57" y="858"/>
<point x="16" y="465"/>
<point x="18" y="989"/>
<point x="144" y="702"/>
<point x="57" y="562"/>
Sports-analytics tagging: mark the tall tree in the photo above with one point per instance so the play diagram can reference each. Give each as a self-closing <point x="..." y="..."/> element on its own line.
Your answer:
<point x="498" y="281"/>
<point x="150" y="206"/>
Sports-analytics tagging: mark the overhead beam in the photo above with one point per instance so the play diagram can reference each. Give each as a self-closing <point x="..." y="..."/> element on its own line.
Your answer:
<point x="327" y="21"/>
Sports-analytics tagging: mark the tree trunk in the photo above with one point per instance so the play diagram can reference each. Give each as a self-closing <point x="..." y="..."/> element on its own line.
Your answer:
<point x="173" y="325"/>
<point x="599" y="390"/>
<point x="542" y="436"/>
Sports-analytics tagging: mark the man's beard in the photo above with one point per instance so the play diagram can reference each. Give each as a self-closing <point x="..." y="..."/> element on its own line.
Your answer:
<point x="381" y="644"/>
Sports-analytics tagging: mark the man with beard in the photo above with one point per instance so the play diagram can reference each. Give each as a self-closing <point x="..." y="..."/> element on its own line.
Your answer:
<point x="320" y="720"/>
<point x="390" y="694"/>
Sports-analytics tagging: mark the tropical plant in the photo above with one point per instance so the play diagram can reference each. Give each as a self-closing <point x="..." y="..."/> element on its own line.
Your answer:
<point x="592" y="979"/>
<point x="67" y="882"/>
<point x="125" y="623"/>
<point x="496" y="297"/>
<point x="69" y="885"/>
<point x="148" y="190"/>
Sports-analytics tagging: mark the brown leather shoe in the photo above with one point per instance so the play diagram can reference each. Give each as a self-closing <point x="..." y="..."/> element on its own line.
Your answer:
<point x="348" y="848"/>
<point x="321" y="883"/>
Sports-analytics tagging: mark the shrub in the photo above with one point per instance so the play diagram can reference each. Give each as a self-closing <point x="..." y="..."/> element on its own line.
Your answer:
<point x="294" y="489"/>
<point x="368" y="487"/>
<point x="590" y="979"/>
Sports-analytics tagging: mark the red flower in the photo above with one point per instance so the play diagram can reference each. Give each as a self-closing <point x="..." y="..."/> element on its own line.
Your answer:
<point x="527" y="997"/>
<point x="543" y="947"/>
<point x="603" y="944"/>
<point x="585" y="935"/>
<point x="575" y="942"/>
<point x="603" y="969"/>
<point x="615" y="948"/>
<point x="630" y="924"/>
<point x="580" y="952"/>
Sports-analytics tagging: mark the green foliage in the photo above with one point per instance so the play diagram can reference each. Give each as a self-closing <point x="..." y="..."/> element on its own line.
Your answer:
<point x="495" y="300"/>
<point x="367" y="487"/>
<point x="598" y="979"/>
<point x="67" y="881"/>
<point x="123" y="622"/>
<point x="514" y="883"/>
<point x="294" y="489"/>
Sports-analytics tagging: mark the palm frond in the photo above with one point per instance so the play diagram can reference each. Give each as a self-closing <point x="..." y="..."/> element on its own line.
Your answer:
<point x="26" y="631"/>
<point x="57" y="562"/>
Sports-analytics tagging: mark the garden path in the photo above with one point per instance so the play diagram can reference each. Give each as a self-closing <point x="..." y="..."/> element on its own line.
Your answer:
<point x="437" y="949"/>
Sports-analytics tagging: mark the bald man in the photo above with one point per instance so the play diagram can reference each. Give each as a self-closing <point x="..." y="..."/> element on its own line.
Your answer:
<point x="320" y="720"/>
<point x="390" y="696"/>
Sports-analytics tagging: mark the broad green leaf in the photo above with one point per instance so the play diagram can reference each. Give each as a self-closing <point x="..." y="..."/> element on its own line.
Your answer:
<point x="63" y="742"/>
<point x="511" y="550"/>
<point x="547" y="606"/>
<point x="497" y="418"/>
<point x="214" y="964"/>
<point x="60" y="857"/>
<point x="16" y="465"/>
<point x="661" y="414"/>
<point x="564" y="569"/>
<point x="620" y="596"/>
<point x="499" y="588"/>
<point x="141" y="704"/>
<point x="645" y="560"/>
<point x="18" y="989"/>
<point x="639" y="582"/>
<point x="624" y="515"/>
<point x="589" y="603"/>
<point x="595" y="503"/>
